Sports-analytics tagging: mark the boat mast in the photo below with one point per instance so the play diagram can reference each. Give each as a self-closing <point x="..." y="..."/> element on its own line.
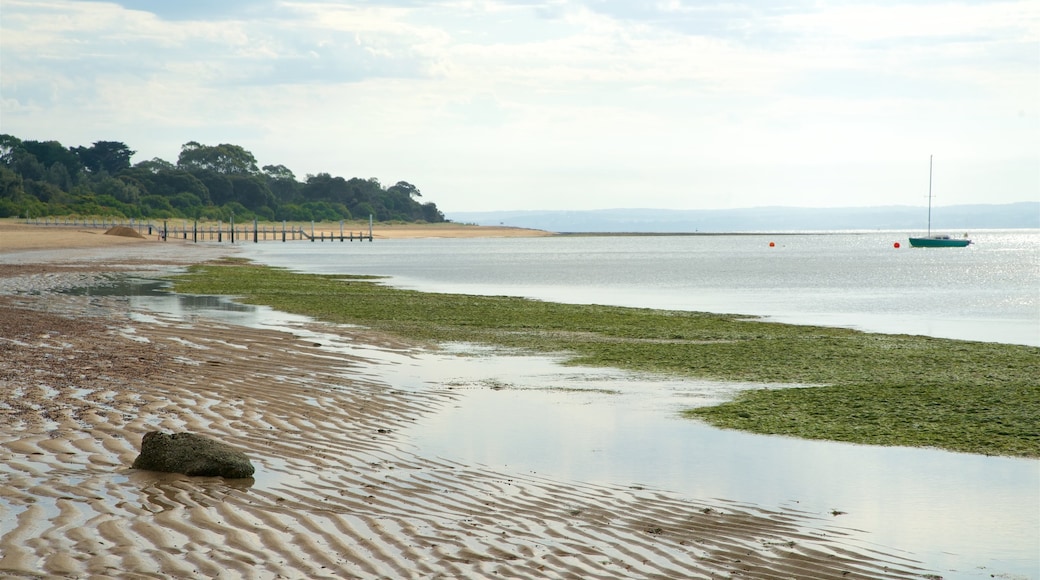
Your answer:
<point x="929" y="196"/>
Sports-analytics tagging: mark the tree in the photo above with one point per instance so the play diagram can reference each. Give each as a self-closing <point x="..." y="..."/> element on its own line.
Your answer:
<point x="324" y="211"/>
<point x="282" y="183"/>
<point x="187" y="204"/>
<point x="8" y="145"/>
<point x="252" y="192"/>
<point x="42" y="190"/>
<point x="364" y="210"/>
<point x="108" y="205"/>
<point x="324" y="187"/>
<point x="10" y="184"/>
<point x="45" y="178"/>
<point x="50" y="152"/>
<point x="157" y="206"/>
<point x="57" y="174"/>
<point x="224" y="159"/>
<point x="362" y="191"/>
<point x="405" y="188"/>
<point x="108" y="156"/>
<point x="398" y="201"/>
<point x="293" y="212"/>
<point x="431" y="214"/>
<point x="221" y="190"/>
<point x="26" y="165"/>
<point x="155" y="165"/>
<point x="237" y="211"/>
<point x="168" y="182"/>
<point x="279" y="172"/>
<point x="122" y="190"/>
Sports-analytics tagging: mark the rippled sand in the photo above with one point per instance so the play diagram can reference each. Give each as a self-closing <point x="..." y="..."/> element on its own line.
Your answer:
<point x="339" y="492"/>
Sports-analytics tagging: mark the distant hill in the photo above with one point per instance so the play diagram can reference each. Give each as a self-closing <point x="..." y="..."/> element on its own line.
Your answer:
<point x="767" y="219"/>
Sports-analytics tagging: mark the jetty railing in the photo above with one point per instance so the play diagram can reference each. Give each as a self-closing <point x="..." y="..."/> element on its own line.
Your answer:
<point x="217" y="231"/>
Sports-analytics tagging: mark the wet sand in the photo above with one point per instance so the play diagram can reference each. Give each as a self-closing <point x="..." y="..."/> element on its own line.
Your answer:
<point x="339" y="492"/>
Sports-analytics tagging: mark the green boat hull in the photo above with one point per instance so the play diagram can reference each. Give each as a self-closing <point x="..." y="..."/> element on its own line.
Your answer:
<point x="939" y="242"/>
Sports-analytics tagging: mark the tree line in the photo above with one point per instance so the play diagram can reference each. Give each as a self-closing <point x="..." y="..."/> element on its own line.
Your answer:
<point x="208" y="182"/>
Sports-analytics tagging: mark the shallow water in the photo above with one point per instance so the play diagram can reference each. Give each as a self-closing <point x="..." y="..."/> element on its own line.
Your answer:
<point x="967" y="516"/>
<point x="988" y="291"/>
<point x="961" y="514"/>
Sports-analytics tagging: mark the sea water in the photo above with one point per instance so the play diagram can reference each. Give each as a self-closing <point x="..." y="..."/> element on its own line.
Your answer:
<point x="966" y="516"/>
<point x="989" y="291"/>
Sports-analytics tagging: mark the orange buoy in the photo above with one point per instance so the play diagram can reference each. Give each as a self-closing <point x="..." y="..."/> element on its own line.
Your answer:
<point x="896" y="245"/>
<point x="771" y="245"/>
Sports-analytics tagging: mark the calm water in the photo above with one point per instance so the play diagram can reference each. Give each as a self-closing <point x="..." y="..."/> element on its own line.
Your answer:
<point x="989" y="291"/>
<point x="963" y="515"/>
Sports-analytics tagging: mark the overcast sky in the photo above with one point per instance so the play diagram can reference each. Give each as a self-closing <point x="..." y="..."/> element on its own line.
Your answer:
<point x="555" y="104"/>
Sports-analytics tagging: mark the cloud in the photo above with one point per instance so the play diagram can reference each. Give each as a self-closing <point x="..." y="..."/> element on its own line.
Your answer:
<point x="196" y="10"/>
<point x="597" y="98"/>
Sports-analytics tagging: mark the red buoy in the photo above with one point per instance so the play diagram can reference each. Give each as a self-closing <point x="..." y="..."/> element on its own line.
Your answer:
<point x="771" y="244"/>
<point x="896" y="245"/>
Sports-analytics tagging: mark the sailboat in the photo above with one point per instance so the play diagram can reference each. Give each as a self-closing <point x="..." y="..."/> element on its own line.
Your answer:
<point x="938" y="240"/>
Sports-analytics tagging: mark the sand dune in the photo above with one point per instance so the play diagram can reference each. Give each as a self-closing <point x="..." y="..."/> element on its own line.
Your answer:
<point x="340" y="492"/>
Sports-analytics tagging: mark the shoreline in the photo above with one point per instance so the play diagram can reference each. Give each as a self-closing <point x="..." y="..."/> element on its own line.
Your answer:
<point x="18" y="236"/>
<point x="337" y="492"/>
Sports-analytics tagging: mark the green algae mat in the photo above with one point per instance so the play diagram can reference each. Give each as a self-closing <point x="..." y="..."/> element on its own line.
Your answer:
<point x="847" y="385"/>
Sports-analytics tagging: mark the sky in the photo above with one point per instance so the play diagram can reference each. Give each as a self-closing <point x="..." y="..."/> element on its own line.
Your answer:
<point x="555" y="104"/>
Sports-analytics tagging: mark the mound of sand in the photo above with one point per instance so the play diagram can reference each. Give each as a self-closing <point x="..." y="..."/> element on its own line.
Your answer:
<point x="123" y="231"/>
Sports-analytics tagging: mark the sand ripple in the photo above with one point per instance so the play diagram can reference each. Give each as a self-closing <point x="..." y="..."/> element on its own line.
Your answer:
<point x="338" y="492"/>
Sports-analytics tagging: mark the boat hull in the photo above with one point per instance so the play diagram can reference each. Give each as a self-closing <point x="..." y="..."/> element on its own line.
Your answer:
<point x="939" y="242"/>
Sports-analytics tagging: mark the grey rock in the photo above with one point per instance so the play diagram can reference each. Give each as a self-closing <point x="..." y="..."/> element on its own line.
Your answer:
<point x="191" y="454"/>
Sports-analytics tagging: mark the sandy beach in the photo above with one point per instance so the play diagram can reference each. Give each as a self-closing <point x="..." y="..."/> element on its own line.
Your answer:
<point x="451" y="230"/>
<point x="16" y="236"/>
<point x="339" y="491"/>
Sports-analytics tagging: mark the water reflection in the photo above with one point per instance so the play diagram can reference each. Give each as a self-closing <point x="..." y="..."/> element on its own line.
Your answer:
<point x="965" y="515"/>
<point x="121" y="285"/>
<point x="173" y="491"/>
<point x="149" y="298"/>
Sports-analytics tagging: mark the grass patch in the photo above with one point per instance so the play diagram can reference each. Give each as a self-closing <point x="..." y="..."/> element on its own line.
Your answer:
<point x="876" y="389"/>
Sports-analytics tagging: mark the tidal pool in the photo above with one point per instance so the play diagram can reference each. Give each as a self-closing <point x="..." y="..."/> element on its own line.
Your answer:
<point x="967" y="516"/>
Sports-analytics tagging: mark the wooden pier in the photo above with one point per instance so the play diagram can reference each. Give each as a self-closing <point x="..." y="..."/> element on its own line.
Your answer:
<point x="218" y="232"/>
